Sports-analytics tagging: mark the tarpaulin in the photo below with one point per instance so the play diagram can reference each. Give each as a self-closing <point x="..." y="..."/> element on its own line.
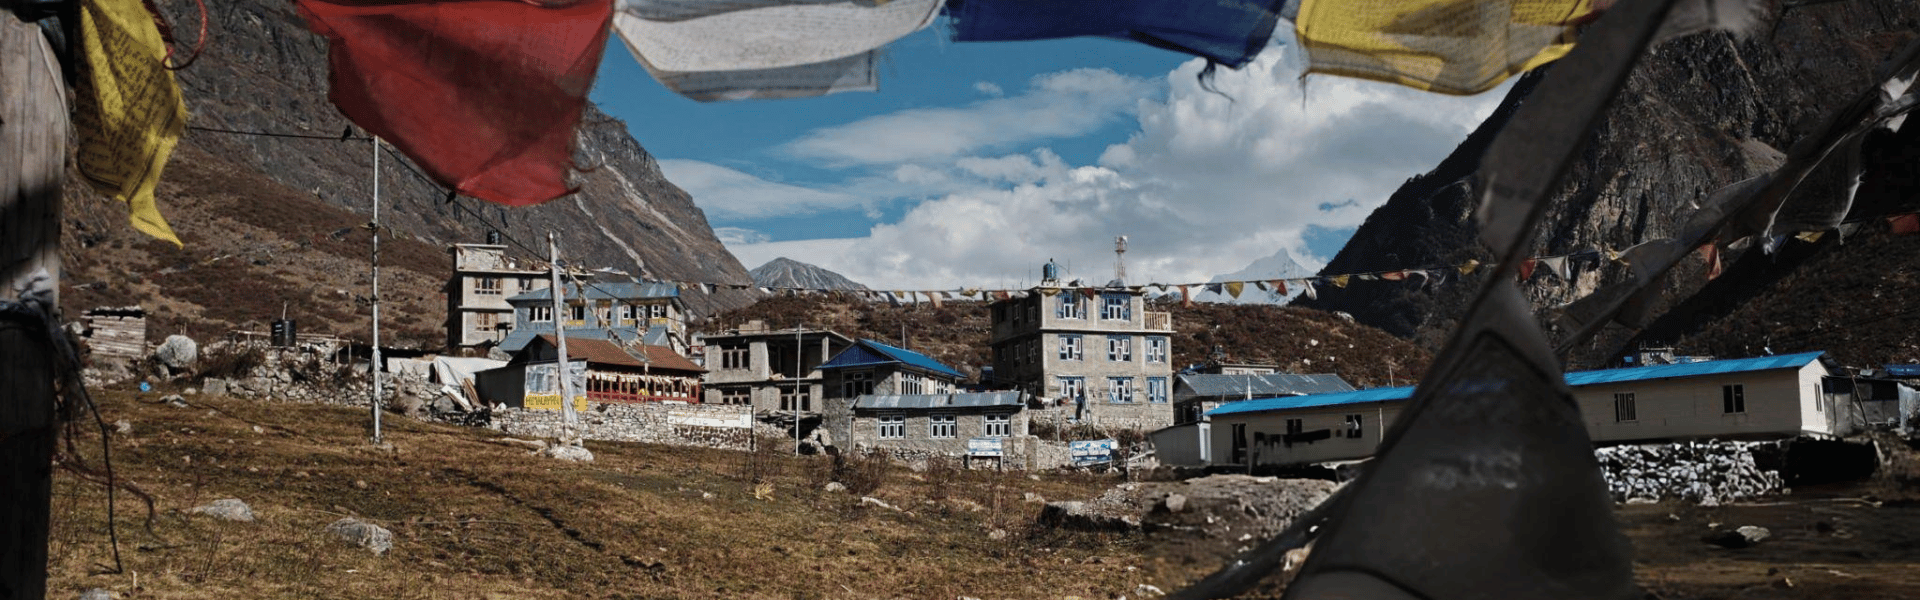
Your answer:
<point x="1228" y="32"/>
<point x="483" y="94"/>
<point x="128" y="110"/>
<point x="1448" y="46"/>
<point x="765" y="49"/>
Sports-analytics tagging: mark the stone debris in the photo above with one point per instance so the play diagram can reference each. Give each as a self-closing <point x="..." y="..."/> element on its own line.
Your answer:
<point x="568" y="452"/>
<point x="231" y="509"/>
<point x="174" y="400"/>
<point x="1745" y="536"/>
<point x="835" y="486"/>
<point x="880" y="503"/>
<point x="363" y="534"/>
<point x="97" y="594"/>
<point x="1216" y="506"/>
<point x="1708" y="472"/>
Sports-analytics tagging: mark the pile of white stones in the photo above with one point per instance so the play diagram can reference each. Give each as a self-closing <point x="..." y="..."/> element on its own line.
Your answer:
<point x="1708" y="472"/>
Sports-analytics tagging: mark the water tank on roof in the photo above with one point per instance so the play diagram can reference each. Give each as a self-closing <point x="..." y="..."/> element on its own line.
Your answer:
<point x="1050" y="272"/>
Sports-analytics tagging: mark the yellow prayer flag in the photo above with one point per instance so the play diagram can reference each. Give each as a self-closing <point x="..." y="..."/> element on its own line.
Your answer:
<point x="1339" y="281"/>
<point x="1809" y="236"/>
<point x="1446" y="46"/>
<point x="1467" y="268"/>
<point x="1234" y="287"/>
<point x="129" y="113"/>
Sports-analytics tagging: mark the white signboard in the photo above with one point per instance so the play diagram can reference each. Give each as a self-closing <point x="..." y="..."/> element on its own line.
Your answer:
<point x="1090" y="452"/>
<point x="984" y="446"/>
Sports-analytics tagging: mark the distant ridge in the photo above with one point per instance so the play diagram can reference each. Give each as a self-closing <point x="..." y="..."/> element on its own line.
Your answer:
<point x="785" y="272"/>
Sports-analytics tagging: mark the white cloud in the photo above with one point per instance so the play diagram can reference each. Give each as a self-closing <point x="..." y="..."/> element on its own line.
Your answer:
<point x="726" y="193"/>
<point x="1055" y="105"/>
<point x="1208" y="183"/>
<point x="733" y="236"/>
<point x="989" y="88"/>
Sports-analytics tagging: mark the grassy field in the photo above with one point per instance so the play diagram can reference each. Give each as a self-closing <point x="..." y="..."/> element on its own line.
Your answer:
<point x="477" y="517"/>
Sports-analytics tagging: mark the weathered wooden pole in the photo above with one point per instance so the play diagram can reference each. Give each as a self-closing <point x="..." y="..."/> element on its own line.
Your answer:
<point x="33" y="151"/>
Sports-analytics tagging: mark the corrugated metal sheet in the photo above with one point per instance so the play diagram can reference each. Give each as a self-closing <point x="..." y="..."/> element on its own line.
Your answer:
<point x="1580" y="379"/>
<point x="1712" y="367"/>
<point x="869" y="352"/>
<point x="605" y="290"/>
<point x="1272" y="384"/>
<point x="923" y="401"/>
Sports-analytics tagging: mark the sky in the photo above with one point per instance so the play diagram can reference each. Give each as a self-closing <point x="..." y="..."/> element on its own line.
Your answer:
<point x="976" y="163"/>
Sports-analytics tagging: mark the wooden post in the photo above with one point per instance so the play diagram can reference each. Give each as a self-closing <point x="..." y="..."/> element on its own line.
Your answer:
<point x="33" y="151"/>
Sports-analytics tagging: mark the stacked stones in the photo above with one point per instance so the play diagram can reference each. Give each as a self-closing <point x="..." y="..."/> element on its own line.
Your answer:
<point x="1709" y="472"/>
<point x="629" y="423"/>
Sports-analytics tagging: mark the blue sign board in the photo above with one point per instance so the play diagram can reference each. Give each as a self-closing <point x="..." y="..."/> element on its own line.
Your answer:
<point x="1090" y="452"/>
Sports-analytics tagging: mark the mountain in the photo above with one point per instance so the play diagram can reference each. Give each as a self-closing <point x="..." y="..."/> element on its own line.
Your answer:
<point x="1278" y="266"/>
<point x="1698" y="113"/>
<point x="253" y="207"/>
<point x="785" y="272"/>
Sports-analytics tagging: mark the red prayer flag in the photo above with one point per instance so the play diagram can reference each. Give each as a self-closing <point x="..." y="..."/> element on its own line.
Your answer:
<point x="1186" y="298"/>
<point x="1905" y="224"/>
<point x="1279" y="287"/>
<point x="1394" y="275"/>
<point x="1526" y="269"/>
<point x="483" y="94"/>
<point x="1713" y="260"/>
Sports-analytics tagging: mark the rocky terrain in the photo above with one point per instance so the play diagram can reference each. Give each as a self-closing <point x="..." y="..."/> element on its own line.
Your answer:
<point x="1696" y="115"/>
<point x="785" y="272"/>
<point x="285" y="214"/>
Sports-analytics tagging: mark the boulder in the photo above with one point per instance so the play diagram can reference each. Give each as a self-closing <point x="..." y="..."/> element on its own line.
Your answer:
<point x="231" y="509"/>
<point x="1175" y="502"/>
<point x="835" y="486"/>
<point x="174" y="400"/>
<point x="214" y="386"/>
<point x="96" y="594"/>
<point x="178" y="353"/>
<point x="568" y="452"/>
<point x="1743" y="537"/>
<point x="363" y="534"/>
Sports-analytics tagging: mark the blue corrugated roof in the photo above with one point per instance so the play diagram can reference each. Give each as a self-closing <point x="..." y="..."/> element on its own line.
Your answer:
<point x="1287" y="402"/>
<point x="519" y="338"/>
<point x="1580" y="379"/>
<point x="1270" y="384"/>
<point x="1711" y="367"/>
<point x="869" y="352"/>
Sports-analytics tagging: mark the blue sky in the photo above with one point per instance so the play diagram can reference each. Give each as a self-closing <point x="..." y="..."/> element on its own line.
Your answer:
<point x="976" y="162"/>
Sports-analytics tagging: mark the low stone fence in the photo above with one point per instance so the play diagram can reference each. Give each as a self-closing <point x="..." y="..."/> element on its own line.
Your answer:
<point x="677" y="424"/>
<point x="1707" y="472"/>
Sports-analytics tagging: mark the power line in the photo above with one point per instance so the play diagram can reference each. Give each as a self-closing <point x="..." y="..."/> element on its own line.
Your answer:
<point x="345" y="136"/>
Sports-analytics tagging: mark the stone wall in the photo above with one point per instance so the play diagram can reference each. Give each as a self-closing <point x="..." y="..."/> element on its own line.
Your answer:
<point x="650" y="423"/>
<point x="1709" y="472"/>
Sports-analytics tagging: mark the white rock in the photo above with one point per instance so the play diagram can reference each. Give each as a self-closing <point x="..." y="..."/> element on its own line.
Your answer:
<point x="231" y="509"/>
<point x="363" y="534"/>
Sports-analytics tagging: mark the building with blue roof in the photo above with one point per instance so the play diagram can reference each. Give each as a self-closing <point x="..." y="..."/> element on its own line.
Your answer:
<point x="774" y="370"/>
<point x="1780" y="396"/>
<point x="625" y="310"/>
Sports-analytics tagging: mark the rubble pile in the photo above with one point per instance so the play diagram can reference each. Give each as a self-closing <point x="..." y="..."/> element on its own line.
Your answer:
<point x="1709" y="472"/>
<point x="1227" y="508"/>
<point x="652" y="423"/>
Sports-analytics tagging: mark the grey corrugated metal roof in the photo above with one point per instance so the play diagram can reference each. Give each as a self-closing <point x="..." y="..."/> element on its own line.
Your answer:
<point x="601" y="290"/>
<point x="1271" y="384"/>
<point x="976" y="399"/>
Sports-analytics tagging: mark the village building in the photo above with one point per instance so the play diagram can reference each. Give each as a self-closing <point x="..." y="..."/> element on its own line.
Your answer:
<point x="1094" y="351"/>
<point x="870" y="367"/>
<point x="1751" y="398"/>
<point x="938" y="424"/>
<point x="615" y="373"/>
<point x="649" y="313"/>
<point x="1196" y="393"/>
<point x="483" y="278"/>
<point x="117" y="332"/>
<point x="768" y="369"/>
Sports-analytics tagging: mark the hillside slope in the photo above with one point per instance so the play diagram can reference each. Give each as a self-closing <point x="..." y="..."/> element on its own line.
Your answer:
<point x="1693" y="118"/>
<point x="785" y="272"/>
<point x="262" y="72"/>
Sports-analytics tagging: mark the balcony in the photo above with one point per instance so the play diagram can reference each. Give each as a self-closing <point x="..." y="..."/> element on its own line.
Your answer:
<point x="1159" y="321"/>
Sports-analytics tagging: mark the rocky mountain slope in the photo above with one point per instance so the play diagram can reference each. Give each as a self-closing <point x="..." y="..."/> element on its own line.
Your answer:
<point x="1698" y="114"/>
<point x="262" y="72"/>
<point x="785" y="272"/>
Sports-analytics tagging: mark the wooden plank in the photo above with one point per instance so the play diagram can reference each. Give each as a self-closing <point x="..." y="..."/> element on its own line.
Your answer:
<point x="33" y="150"/>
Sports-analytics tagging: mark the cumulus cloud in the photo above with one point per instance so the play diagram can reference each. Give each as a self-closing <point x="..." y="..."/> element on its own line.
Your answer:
<point x="733" y="236"/>
<point x="1055" y="105"/>
<point x="1209" y="183"/>
<point x="728" y="194"/>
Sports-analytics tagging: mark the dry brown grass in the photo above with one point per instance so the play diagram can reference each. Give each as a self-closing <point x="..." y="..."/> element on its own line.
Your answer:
<point x="479" y="519"/>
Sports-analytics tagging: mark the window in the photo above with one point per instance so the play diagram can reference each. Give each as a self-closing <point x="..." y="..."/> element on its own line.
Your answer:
<point x="1069" y="347"/>
<point x="577" y="312"/>
<point x="795" y="398"/>
<point x="540" y="314"/>
<point x="999" y="425"/>
<point x="603" y="314"/>
<point x="1070" y="306"/>
<point x="485" y="321"/>
<point x="659" y="311"/>
<point x="487" y="286"/>
<point x="1157" y="389"/>
<point x="1733" y="398"/>
<point x="1115" y="307"/>
<point x="911" y="383"/>
<point x="627" y="311"/>
<point x="940" y="425"/>
<point x="892" y="427"/>
<point x="736" y="396"/>
<point x="857" y="384"/>
<point x="1239" y="443"/>
<point x="1623" y="411"/>
<point x="526" y="283"/>
<point x="735" y="357"/>
<point x="1073" y="388"/>
<point x="1295" y="426"/>
<point x="1119" y="389"/>
<point x="1156" y="349"/>
<point x="1120" y="348"/>
<point x="1017" y="311"/>
<point x="1356" y="425"/>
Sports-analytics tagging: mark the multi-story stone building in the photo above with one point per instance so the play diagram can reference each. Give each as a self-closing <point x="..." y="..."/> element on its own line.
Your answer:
<point x="772" y="370"/>
<point x="650" y="313"/>
<point x="483" y="278"/>
<point x="1095" y="351"/>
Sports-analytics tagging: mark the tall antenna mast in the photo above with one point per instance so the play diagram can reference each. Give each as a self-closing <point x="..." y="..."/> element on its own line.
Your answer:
<point x="1120" y="259"/>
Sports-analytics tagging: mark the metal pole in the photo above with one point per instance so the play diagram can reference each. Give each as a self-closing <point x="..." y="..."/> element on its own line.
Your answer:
<point x="373" y="367"/>
<point x="560" y="338"/>
<point x="799" y="361"/>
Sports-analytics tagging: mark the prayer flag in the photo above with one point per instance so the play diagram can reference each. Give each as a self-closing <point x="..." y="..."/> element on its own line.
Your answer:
<point x="1446" y="46"/>
<point x="1339" y="281"/>
<point x="129" y="112"/>
<point x="1467" y="268"/>
<point x="1904" y="224"/>
<point x="1279" y="287"/>
<point x="1234" y="287"/>
<point x="482" y="94"/>
<point x="1186" y="297"/>
<point x="1526" y="269"/>
<point x="1226" y="32"/>
<point x="1809" y="236"/>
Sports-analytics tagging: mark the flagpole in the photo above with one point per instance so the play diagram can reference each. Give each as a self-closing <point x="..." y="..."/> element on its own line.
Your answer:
<point x="373" y="367"/>
<point x="564" y="362"/>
